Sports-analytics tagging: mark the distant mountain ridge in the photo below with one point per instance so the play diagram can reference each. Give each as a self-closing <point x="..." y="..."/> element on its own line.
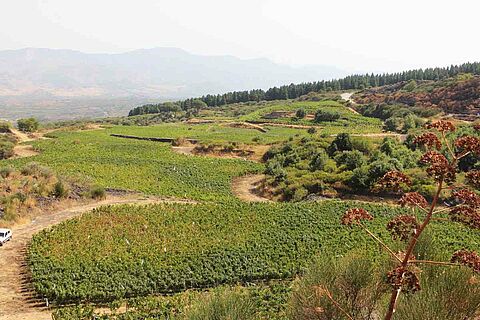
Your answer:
<point x="157" y="73"/>
<point x="34" y="80"/>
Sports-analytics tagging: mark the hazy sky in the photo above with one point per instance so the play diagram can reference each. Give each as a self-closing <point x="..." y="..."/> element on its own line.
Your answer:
<point x="377" y="35"/>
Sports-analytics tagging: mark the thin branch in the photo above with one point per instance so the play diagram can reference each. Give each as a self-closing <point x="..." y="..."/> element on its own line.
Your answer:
<point x="381" y="242"/>
<point x="440" y="263"/>
<point x="329" y="296"/>
<point x="411" y="246"/>
<point x="463" y="155"/>
<point x="448" y="145"/>
<point x="442" y="210"/>
<point x="423" y="209"/>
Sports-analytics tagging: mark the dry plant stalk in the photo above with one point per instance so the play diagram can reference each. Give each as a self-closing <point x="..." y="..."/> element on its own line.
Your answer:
<point x="405" y="276"/>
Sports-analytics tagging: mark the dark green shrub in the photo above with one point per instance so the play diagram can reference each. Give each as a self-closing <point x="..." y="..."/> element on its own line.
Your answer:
<point x="60" y="190"/>
<point x="6" y="149"/>
<point x="28" y="124"/>
<point x="322" y="115"/>
<point x="98" y="192"/>
<point x="5" y="127"/>
<point x="350" y="159"/>
<point x="319" y="161"/>
<point x="342" y="142"/>
<point x="300" y="113"/>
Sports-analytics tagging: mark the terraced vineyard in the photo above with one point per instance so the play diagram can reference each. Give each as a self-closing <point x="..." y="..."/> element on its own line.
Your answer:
<point x="349" y="121"/>
<point x="121" y="252"/>
<point x="144" y="166"/>
<point x="219" y="132"/>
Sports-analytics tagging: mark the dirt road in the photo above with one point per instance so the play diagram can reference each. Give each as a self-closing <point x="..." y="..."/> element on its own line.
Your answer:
<point x="347" y="96"/>
<point x="245" y="188"/>
<point x="23" y="150"/>
<point x="16" y="296"/>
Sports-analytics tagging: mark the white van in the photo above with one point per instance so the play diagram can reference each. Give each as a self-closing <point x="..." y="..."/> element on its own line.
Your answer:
<point x="5" y="235"/>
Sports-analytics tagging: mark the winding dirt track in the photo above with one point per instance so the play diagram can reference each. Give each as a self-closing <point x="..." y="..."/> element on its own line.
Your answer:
<point x="16" y="296"/>
<point x="23" y="150"/>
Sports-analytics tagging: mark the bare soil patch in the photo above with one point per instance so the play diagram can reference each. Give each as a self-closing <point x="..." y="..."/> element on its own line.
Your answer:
<point x="246" y="188"/>
<point x="24" y="151"/>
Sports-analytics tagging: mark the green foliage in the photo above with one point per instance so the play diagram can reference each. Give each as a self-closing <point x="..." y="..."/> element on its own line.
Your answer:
<point x="319" y="160"/>
<point x="224" y="304"/>
<point x="74" y="313"/>
<point x="398" y="118"/>
<point x="164" y="248"/>
<point x="97" y="192"/>
<point x="5" y="127"/>
<point x="144" y="166"/>
<point x="410" y="86"/>
<point x="5" y="172"/>
<point x="354" y="281"/>
<point x="361" y="178"/>
<point x="274" y="168"/>
<point x="28" y="124"/>
<point x="300" y="113"/>
<point x="447" y="293"/>
<point x="334" y="117"/>
<point x="342" y="142"/>
<point x="60" y="190"/>
<point x="350" y="159"/>
<point x="321" y="116"/>
<point x="6" y="149"/>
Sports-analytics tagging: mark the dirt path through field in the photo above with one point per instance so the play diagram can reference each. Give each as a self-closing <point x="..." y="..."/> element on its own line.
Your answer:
<point x="23" y="150"/>
<point x="347" y="96"/>
<point x="16" y="297"/>
<point x="245" y="188"/>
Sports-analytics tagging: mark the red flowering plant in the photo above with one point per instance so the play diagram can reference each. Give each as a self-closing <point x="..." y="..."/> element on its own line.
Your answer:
<point x="441" y="157"/>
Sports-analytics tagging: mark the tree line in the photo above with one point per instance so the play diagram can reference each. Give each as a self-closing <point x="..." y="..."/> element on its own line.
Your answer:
<point x="292" y="91"/>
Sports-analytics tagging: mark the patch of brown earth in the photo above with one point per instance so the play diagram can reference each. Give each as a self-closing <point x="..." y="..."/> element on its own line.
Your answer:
<point x="246" y="188"/>
<point x="24" y="151"/>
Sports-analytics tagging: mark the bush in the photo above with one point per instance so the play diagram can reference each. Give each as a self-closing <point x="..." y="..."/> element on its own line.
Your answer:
<point x="60" y="190"/>
<point x="300" y="113"/>
<point x="6" y="150"/>
<point x="180" y="141"/>
<point x="275" y="168"/>
<point x="5" y="172"/>
<point x="350" y="159"/>
<point x="97" y="192"/>
<point x="231" y="304"/>
<point x="342" y="142"/>
<point x="5" y="127"/>
<point x="360" y="179"/>
<point x="319" y="161"/>
<point x="362" y="144"/>
<point x="353" y="281"/>
<point x="34" y="169"/>
<point x="453" y="293"/>
<point x="322" y="115"/>
<point x="28" y="125"/>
